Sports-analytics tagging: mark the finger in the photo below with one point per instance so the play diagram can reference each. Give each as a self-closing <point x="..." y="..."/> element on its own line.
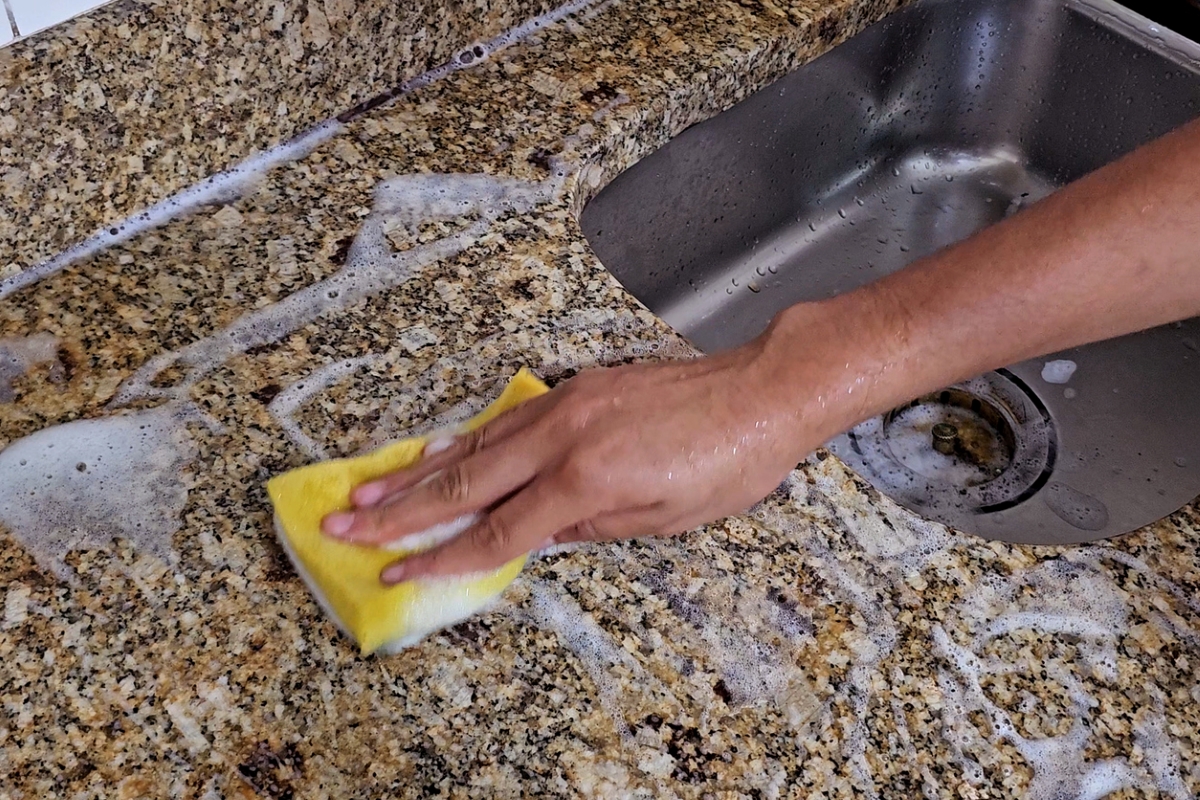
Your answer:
<point x="438" y="455"/>
<point x="631" y="524"/>
<point x="515" y="527"/>
<point x="464" y="487"/>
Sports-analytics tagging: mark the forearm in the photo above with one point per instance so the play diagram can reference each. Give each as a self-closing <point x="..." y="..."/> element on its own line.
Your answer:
<point x="661" y="448"/>
<point x="1115" y="252"/>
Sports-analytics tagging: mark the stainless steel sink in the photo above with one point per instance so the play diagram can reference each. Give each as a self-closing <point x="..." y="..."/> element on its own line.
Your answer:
<point x="941" y="119"/>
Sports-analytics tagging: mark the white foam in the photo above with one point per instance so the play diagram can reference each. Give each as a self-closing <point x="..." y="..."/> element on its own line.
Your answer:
<point x="284" y="406"/>
<point x="596" y="650"/>
<point x="1160" y="754"/>
<point x="371" y="267"/>
<point x="223" y="187"/>
<point x="753" y="670"/>
<point x="1059" y="370"/>
<point x="1082" y="603"/>
<point x="82" y="484"/>
<point x="1074" y="599"/>
<point x="1060" y="772"/>
<point x="909" y="437"/>
<point x="227" y="186"/>
<point x="532" y="26"/>
<point x="568" y="344"/>
<point x="439" y="444"/>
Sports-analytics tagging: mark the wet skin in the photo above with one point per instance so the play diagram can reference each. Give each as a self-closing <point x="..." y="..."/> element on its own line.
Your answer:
<point x="654" y="449"/>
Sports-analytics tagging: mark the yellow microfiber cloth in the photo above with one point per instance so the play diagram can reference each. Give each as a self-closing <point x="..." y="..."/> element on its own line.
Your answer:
<point x="344" y="577"/>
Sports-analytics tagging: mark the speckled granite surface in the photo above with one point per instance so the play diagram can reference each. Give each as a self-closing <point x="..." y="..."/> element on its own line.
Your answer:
<point x="155" y="643"/>
<point x="133" y="101"/>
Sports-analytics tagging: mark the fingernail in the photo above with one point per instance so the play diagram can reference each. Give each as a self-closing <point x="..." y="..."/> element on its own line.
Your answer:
<point x="338" y="523"/>
<point x="368" y="494"/>
<point x="393" y="573"/>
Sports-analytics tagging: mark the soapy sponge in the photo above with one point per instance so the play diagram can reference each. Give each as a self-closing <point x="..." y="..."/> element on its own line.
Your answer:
<point x="344" y="577"/>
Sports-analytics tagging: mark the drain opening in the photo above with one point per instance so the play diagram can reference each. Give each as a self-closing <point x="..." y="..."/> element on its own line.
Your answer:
<point x="973" y="448"/>
<point x="951" y="436"/>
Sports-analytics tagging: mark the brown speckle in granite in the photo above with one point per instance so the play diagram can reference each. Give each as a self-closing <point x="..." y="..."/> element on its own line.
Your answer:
<point x="828" y="29"/>
<point x="600" y="94"/>
<point x="810" y="648"/>
<point x="272" y="771"/>
<point x="266" y="393"/>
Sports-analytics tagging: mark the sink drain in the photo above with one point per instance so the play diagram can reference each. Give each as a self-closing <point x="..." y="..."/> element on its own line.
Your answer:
<point x="1076" y="446"/>
<point x="974" y="448"/>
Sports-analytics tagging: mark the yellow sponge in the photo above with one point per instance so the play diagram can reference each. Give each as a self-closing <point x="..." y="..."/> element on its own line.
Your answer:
<point x="344" y="577"/>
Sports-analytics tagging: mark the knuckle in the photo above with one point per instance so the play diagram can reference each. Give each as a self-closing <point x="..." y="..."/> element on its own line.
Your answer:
<point x="452" y="484"/>
<point x="474" y="441"/>
<point x="496" y="534"/>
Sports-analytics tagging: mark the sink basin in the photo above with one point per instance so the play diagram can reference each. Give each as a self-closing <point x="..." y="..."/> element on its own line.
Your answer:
<point x="942" y="119"/>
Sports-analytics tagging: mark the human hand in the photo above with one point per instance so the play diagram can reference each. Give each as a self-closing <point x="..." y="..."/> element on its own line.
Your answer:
<point x="613" y="453"/>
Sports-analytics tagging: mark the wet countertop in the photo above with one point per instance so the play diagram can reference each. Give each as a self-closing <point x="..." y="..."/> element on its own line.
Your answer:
<point x="155" y="642"/>
<point x="133" y="101"/>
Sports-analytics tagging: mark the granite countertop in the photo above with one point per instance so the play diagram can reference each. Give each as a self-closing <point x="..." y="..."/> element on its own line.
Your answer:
<point x="137" y="99"/>
<point x="154" y="641"/>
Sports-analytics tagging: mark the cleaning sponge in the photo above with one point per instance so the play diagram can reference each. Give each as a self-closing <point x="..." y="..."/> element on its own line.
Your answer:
<point x="344" y="577"/>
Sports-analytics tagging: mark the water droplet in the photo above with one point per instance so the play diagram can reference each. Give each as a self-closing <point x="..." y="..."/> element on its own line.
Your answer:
<point x="1074" y="507"/>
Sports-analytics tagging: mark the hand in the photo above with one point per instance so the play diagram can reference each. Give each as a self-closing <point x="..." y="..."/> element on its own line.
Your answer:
<point x="615" y="453"/>
<point x="649" y="449"/>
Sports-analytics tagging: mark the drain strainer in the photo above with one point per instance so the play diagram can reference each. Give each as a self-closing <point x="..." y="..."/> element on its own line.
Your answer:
<point x="977" y="447"/>
<point x="1082" y="445"/>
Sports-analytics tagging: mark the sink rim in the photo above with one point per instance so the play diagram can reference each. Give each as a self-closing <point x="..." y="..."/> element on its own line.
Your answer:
<point x="1100" y="22"/>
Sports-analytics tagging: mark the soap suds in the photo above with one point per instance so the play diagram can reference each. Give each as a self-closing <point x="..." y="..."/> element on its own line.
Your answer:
<point x="227" y="186"/>
<point x="568" y="345"/>
<point x="371" y="268"/>
<point x="1070" y="598"/>
<point x="727" y="628"/>
<point x="433" y="535"/>
<point x="84" y="483"/>
<point x="19" y="354"/>
<point x="284" y="406"/>
<point x="552" y="610"/>
<point x="909" y="437"/>
<point x="1058" y="371"/>
<point x="1054" y="598"/>
<point x="223" y="187"/>
<point x="438" y="443"/>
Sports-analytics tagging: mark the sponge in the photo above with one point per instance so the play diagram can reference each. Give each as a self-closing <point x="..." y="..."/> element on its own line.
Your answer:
<point x="344" y="577"/>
